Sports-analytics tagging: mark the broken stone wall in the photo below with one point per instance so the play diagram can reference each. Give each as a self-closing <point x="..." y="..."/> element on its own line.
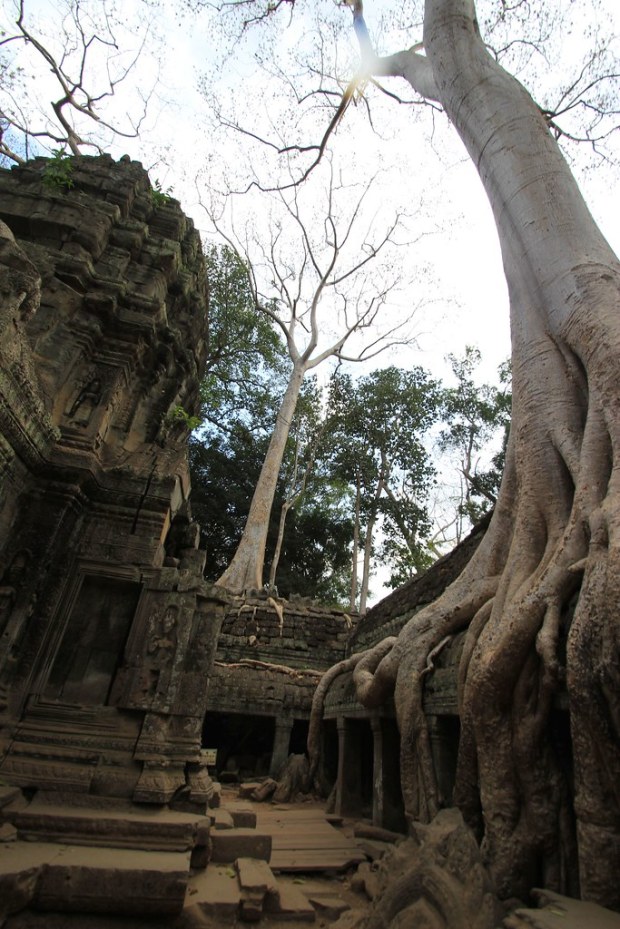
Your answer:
<point x="107" y="629"/>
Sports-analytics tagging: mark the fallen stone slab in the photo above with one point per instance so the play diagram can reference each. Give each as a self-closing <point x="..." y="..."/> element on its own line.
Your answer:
<point x="264" y="791"/>
<point x="257" y="882"/>
<point x="290" y="903"/>
<point x="243" y="818"/>
<point x="221" y="819"/>
<point x="11" y="795"/>
<point x="367" y="831"/>
<point x="330" y="905"/>
<point x="255" y="875"/>
<point x="246" y="790"/>
<point x="229" y="844"/>
<point x="8" y="832"/>
<point x="559" y="912"/>
<point x="114" y="881"/>
<point x="372" y="848"/>
<point x="215" y="892"/>
<point x="20" y="868"/>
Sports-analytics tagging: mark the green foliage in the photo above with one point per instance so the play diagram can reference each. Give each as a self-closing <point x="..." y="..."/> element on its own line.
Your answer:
<point x="380" y="425"/>
<point x="475" y="414"/>
<point x="159" y="196"/>
<point x="246" y="375"/>
<point x="180" y="415"/>
<point x="57" y="173"/>
<point x="247" y="366"/>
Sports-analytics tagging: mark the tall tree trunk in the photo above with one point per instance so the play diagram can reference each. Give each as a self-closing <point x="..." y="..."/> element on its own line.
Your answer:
<point x="540" y="598"/>
<point x="564" y="287"/>
<point x="370" y="528"/>
<point x="356" y="548"/>
<point x="278" y="549"/>
<point x="246" y="568"/>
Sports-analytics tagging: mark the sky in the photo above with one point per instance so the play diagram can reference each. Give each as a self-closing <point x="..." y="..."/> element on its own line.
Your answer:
<point x="454" y="256"/>
<point x="449" y="256"/>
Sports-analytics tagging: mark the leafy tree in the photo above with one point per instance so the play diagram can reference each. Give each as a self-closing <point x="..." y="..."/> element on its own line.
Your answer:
<point x="314" y="541"/>
<point x="246" y="370"/>
<point x="382" y="420"/>
<point x="475" y="413"/>
<point x="539" y="599"/>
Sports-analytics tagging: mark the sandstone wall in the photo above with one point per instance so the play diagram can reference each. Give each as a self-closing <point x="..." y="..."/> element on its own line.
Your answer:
<point x="107" y="629"/>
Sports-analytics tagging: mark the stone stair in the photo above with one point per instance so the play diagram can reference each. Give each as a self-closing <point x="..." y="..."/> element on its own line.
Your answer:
<point x="98" y="855"/>
<point x="247" y="890"/>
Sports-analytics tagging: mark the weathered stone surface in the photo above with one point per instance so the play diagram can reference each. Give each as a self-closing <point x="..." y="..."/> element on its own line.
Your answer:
<point x="230" y="844"/>
<point x="20" y="868"/>
<point x="290" y="903"/>
<point x="256" y="876"/>
<point x="247" y="790"/>
<point x="113" y="824"/>
<point x="559" y="912"/>
<point x="373" y="849"/>
<point x="222" y="819"/>
<point x="243" y="818"/>
<point x="113" y="881"/>
<point x="257" y="883"/>
<point x="330" y="905"/>
<point x="265" y="790"/>
<point x="215" y="892"/>
<point x="103" y="298"/>
<point x="11" y="796"/>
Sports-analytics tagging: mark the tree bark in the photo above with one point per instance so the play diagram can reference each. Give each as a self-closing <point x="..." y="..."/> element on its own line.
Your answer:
<point x="540" y="597"/>
<point x="355" y="550"/>
<point x="246" y="568"/>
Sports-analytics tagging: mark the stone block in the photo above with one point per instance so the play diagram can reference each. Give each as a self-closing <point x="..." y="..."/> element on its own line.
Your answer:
<point x="372" y="848"/>
<point x="229" y="844"/>
<point x="242" y="818"/>
<point x="246" y="790"/>
<point x="330" y="905"/>
<point x="290" y="903"/>
<point x="256" y="876"/>
<point x="215" y="892"/>
<point x="20" y="867"/>
<point x="215" y="800"/>
<point x="109" y="823"/>
<point x="11" y="796"/>
<point x="221" y="819"/>
<point x="8" y="832"/>
<point x="114" y="881"/>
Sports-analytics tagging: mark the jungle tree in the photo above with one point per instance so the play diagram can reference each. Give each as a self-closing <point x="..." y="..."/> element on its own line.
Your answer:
<point x="380" y="422"/>
<point x="540" y="597"/>
<point x="474" y="414"/>
<point x="539" y="600"/>
<point x="325" y="293"/>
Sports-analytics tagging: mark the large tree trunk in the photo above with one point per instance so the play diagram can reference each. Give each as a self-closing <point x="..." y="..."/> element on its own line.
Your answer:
<point x="541" y="597"/>
<point x="246" y="568"/>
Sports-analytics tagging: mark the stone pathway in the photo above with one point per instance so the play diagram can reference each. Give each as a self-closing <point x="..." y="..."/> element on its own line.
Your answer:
<point x="303" y="840"/>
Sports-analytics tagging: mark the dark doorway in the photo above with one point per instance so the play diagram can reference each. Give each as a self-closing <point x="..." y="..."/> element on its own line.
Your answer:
<point x="93" y="642"/>
<point x="244" y="743"/>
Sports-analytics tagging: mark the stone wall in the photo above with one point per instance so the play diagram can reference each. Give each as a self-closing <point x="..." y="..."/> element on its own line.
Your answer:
<point x="107" y="629"/>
